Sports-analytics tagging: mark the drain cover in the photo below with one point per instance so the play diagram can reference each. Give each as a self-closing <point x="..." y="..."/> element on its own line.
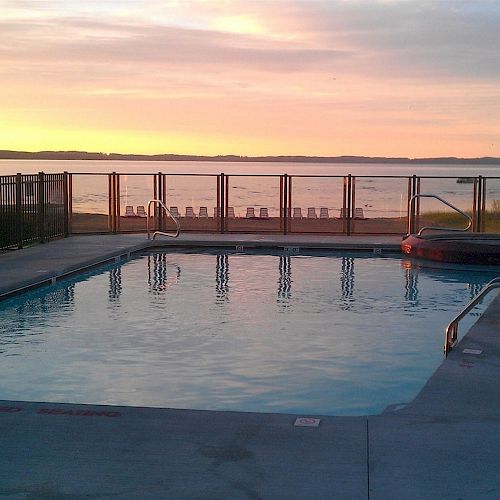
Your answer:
<point x="307" y="422"/>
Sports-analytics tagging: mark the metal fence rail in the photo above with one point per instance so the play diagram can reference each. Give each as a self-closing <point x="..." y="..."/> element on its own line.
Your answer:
<point x="41" y="206"/>
<point x="33" y="207"/>
<point x="344" y="209"/>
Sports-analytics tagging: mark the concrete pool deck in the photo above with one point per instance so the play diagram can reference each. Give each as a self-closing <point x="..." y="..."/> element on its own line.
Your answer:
<point x="442" y="445"/>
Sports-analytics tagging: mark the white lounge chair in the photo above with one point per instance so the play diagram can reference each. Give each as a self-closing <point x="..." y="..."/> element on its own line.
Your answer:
<point x="264" y="214"/>
<point x="203" y="212"/>
<point x="216" y="212"/>
<point x="311" y="213"/>
<point x="250" y="213"/>
<point x="323" y="213"/>
<point x="175" y="212"/>
<point x="190" y="212"/>
<point x="129" y="211"/>
<point x="358" y="213"/>
<point x="140" y="211"/>
<point x="230" y="212"/>
<point x="297" y="213"/>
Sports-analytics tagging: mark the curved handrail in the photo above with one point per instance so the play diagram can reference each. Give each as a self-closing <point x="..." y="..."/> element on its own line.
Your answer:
<point x="162" y="205"/>
<point x="412" y="203"/>
<point x="451" y="330"/>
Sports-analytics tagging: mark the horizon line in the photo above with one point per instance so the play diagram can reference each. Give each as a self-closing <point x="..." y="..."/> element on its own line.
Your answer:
<point x="59" y="154"/>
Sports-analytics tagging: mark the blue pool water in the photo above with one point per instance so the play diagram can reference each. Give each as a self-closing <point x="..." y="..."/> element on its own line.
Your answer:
<point x="312" y="334"/>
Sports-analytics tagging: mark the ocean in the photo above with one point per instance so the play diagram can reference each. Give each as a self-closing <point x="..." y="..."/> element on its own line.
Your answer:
<point x="378" y="196"/>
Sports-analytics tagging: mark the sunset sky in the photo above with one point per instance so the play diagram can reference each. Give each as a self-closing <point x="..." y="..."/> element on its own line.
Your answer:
<point x="292" y="77"/>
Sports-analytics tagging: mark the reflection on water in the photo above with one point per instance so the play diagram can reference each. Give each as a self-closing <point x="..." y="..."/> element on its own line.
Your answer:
<point x="25" y="322"/>
<point x="158" y="277"/>
<point x="222" y="278"/>
<point x="474" y="288"/>
<point x="284" y="280"/>
<point x="411" y="285"/>
<point x="115" y="284"/>
<point x="221" y="339"/>
<point x="347" y="281"/>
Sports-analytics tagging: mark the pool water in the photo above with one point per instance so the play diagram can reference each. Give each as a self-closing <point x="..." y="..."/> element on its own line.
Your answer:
<point x="324" y="333"/>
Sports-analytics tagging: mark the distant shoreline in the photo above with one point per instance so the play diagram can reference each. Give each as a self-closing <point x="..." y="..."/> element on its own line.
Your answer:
<point x="84" y="155"/>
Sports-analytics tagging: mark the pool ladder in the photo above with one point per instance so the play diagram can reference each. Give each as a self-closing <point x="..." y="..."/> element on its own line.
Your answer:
<point x="411" y="223"/>
<point x="169" y="213"/>
<point x="451" y="330"/>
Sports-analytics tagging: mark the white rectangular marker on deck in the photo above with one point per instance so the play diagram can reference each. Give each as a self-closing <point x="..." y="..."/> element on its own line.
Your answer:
<point x="472" y="351"/>
<point x="307" y="422"/>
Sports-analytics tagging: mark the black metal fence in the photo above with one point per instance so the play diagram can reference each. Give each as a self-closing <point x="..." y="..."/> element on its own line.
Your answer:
<point x="33" y="208"/>
<point x="38" y="207"/>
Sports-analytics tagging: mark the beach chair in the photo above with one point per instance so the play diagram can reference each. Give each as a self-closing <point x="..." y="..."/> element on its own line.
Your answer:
<point x="323" y="213"/>
<point x="203" y="212"/>
<point x="311" y="213"/>
<point x="140" y="211"/>
<point x="129" y="211"/>
<point x="175" y="212"/>
<point x="250" y="213"/>
<point x="264" y="214"/>
<point x="216" y="212"/>
<point x="297" y="213"/>
<point x="230" y="212"/>
<point x="190" y="212"/>
<point x="358" y="213"/>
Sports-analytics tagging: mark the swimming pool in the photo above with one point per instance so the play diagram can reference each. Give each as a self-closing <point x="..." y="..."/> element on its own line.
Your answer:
<point x="322" y="333"/>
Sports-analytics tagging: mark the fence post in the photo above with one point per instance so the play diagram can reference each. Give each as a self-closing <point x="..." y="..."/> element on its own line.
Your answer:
<point x="222" y="203"/>
<point x="41" y="206"/>
<point x="110" y="203"/>
<point x="348" y="211"/>
<point x="284" y="202"/>
<point x="19" y="212"/>
<point x="412" y="218"/>
<point x="117" y="203"/>
<point x="66" y="224"/>
<point x="289" y="204"/>
<point x="164" y="199"/>
<point x="482" y="207"/>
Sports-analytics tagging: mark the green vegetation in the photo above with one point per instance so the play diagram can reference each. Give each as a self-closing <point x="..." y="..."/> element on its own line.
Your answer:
<point x="455" y="220"/>
<point x="495" y="207"/>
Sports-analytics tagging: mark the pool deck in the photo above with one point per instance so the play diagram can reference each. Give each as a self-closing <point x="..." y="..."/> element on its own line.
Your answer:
<point x="443" y="445"/>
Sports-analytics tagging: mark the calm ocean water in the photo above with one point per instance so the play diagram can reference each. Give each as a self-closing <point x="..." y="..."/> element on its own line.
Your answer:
<point x="378" y="197"/>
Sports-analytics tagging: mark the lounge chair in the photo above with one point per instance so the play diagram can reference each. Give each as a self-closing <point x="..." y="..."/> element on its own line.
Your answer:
<point x="250" y="213"/>
<point x="323" y="213"/>
<point x="343" y="213"/>
<point x="297" y="213"/>
<point x="216" y="212"/>
<point x="175" y="212"/>
<point x="358" y="213"/>
<point x="129" y="211"/>
<point x="230" y="212"/>
<point x="203" y="212"/>
<point x="140" y="211"/>
<point x="190" y="212"/>
<point x="311" y="213"/>
<point x="264" y="214"/>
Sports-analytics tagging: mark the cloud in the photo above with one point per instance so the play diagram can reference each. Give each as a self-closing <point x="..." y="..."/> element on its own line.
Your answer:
<point x="375" y="39"/>
<point x="291" y="64"/>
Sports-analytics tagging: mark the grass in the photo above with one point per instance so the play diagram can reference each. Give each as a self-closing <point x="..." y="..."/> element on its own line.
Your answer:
<point x="455" y="220"/>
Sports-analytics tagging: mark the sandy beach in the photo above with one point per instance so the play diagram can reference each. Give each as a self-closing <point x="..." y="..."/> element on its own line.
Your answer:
<point x="89" y="223"/>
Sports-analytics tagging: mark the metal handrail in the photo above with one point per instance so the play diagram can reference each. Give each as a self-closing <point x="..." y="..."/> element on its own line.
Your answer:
<point x="412" y="204"/>
<point x="451" y="330"/>
<point x="156" y="233"/>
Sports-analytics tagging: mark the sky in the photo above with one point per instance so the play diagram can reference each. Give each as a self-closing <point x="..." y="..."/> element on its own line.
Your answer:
<point x="251" y="77"/>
